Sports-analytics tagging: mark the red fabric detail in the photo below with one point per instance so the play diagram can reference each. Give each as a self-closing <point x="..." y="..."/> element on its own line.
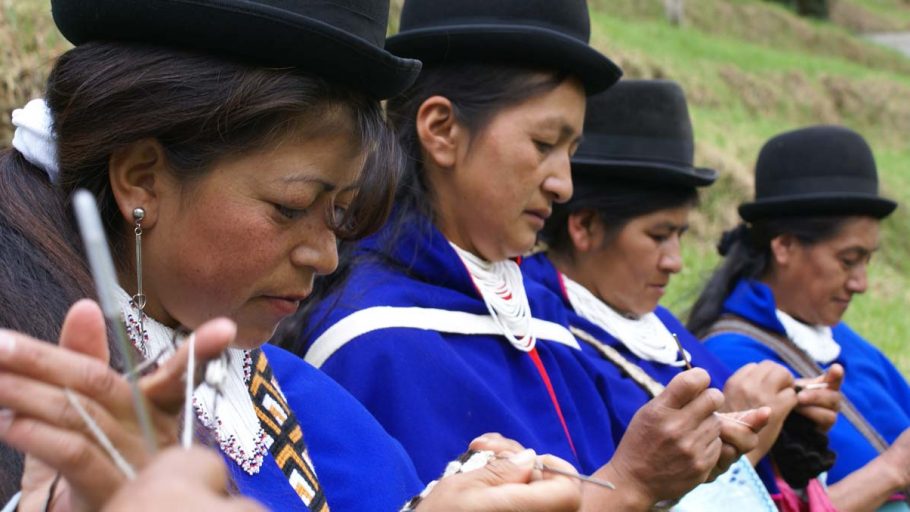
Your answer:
<point x="562" y="286"/>
<point x="817" y="499"/>
<point x="546" y="380"/>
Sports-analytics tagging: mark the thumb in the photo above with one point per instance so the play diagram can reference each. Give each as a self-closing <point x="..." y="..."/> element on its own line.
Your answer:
<point x="834" y="377"/>
<point x="166" y="386"/>
<point x="84" y="331"/>
<point x="684" y="388"/>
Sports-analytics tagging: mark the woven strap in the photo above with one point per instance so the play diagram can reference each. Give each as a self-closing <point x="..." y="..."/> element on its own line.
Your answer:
<point x="626" y="367"/>
<point x="801" y="362"/>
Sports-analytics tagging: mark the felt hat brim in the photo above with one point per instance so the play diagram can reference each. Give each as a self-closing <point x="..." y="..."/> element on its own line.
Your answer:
<point x="818" y="204"/>
<point x="659" y="173"/>
<point x="526" y="44"/>
<point x="263" y="34"/>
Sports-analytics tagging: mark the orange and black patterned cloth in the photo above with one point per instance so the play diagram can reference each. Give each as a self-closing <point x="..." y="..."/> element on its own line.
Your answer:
<point x="284" y="436"/>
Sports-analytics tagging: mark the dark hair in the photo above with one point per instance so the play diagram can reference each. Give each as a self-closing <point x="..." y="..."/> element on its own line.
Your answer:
<point x="747" y="255"/>
<point x="617" y="203"/>
<point x="478" y="91"/>
<point x="200" y="108"/>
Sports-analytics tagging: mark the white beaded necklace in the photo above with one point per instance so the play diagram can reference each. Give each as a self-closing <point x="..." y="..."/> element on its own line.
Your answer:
<point x="646" y="336"/>
<point x="232" y="416"/>
<point x="503" y="291"/>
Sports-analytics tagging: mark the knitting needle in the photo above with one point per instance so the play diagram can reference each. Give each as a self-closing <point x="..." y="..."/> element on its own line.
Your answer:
<point x="589" y="479"/>
<point x="808" y="387"/>
<point x="685" y="357"/>
<point x="102" y="267"/>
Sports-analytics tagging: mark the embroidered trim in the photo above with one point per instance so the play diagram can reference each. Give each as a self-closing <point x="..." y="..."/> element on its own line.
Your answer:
<point x="429" y="319"/>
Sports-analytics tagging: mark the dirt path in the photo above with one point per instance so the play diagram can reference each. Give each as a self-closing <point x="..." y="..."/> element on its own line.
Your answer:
<point x="900" y="41"/>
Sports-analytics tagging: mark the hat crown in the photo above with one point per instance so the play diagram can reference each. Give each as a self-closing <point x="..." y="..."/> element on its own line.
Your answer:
<point x="819" y="170"/>
<point x="815" y="160"/>
<point x="569" y="17"/>
<point x="652" y="111"/>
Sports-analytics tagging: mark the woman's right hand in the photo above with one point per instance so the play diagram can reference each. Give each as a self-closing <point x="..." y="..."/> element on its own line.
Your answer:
<point x="507" y="483"/>
<point x="672" y="444"/>
<point x="38" y="419"/>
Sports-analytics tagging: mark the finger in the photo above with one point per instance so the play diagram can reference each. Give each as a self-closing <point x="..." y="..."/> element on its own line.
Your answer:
<point x="84" y="331"/>
<point x="684" y="388"/>
<point x="755" y="419"/>
<point x="824" y="398"/>
<point x="84" y="466"/>
<point x="740" y="437"/>
<point x="774" y="375"/>
<point x="41" y="361"/>
<point x="495" y="443"/>
<point x="165" y="387"/>
<point x="834" y="377"/>
<point x="48" y="404"/>
<point x="202" y="465"/>
<point x="704" y="405"/>
<point x="823" y="418"/>
<point x="507" y="478"/>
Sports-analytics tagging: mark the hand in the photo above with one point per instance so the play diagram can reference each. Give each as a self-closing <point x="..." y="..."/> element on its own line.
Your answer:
<point x="897" y="458"/>
<point x="177" y="480"/>
<point x="672" y="443"/>
<point x="763" y="384"/>
<point x="740" y="434"/>
<point x="507" y="485"/>
<point x="39" y="420"/>
<point x="821" y="405"/>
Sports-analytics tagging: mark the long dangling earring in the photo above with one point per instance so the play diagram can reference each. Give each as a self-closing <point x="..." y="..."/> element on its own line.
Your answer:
<point x="139" y="299"/>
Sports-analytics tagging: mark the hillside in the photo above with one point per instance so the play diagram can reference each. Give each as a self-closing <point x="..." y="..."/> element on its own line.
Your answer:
<point x="750" y="68"/>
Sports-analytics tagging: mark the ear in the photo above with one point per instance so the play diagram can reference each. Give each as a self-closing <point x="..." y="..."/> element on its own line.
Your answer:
<point x="137" y="173"/>
<point x="782" y="249"/>
<point x="438" y="131"/>
<point x="585" y="230"/>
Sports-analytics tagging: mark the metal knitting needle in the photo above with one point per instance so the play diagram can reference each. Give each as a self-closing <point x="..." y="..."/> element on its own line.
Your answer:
<point x="102" y="267"/>
<point x="589" y="479"/>
<point x="683" y="354"/>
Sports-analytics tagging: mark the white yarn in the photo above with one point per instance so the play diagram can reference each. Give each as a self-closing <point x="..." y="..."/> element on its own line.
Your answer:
<point x="503" y="291"/>
<point x="647" y="337"/>
<point x="34" y="136"/>
<point x="816" y="340"/>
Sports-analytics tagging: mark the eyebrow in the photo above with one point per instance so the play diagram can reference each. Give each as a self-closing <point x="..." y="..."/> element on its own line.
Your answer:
<point x="671" y="226"/>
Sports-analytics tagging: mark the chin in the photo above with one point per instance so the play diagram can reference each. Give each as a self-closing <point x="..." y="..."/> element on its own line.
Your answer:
<point x="250" y="338"/>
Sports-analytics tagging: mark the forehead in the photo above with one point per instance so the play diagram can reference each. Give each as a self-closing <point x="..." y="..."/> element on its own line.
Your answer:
<point x="561" y="108"/>
<point x="857" y="233"/>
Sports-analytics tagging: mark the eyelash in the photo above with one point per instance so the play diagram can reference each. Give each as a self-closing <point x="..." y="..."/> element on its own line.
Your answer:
<point x="289" y="213"/>
<point x="543" y="147"/>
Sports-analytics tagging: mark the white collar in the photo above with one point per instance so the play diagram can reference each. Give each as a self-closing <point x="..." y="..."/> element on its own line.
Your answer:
<point x="232" y="416"/>
<point x="503" y="291"/>
<point x="647" y="337"/>
<point x="816" y="340"/>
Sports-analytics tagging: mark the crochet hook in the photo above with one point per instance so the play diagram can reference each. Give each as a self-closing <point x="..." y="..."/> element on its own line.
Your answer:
<point x="584" y="478"/>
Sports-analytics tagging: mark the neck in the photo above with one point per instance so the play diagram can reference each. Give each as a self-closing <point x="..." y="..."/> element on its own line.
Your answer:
<point x="576" y="269"/>
<point x="784" y="297"/>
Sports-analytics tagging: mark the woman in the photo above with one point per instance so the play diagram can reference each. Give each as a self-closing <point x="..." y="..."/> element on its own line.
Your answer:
<point x="613" y="249"/>
<point x="789" y="273"/>
<point x="434" y="329"/>
<point x="224" y="185"/>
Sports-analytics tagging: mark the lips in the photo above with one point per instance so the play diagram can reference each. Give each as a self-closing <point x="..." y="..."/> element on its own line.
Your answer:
<point x="286" y="304"/>
<point x="540" y="215"/>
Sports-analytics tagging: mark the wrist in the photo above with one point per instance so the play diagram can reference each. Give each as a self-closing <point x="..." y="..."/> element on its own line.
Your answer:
<point x="894" y="474"/>
<point x="630" y="494"/>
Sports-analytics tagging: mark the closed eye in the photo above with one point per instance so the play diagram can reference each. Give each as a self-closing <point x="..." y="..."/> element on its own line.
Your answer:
<point x="289" y="213"/>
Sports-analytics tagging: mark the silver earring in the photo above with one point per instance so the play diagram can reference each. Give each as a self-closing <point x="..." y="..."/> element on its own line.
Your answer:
<point x="139" y="298"/>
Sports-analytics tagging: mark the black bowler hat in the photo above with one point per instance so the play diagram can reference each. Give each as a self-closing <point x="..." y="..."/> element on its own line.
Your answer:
<point x="638" y="130"/>
<point x="820" y="170"/>
<point x="546" y="33"/>
<point x="339" y="39"/>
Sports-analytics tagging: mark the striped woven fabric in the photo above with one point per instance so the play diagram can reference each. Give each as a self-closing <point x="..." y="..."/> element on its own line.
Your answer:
<point x="285" y="442"/>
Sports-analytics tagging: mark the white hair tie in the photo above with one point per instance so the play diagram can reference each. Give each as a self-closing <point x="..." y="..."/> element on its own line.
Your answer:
<point x="34" y="137"/>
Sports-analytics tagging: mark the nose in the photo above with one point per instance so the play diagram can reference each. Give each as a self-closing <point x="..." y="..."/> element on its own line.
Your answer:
<point x="671" y="257"/>
<point x="558" y="184"/>
<point x="858" y="281"/>
<point x="317" y="249"/>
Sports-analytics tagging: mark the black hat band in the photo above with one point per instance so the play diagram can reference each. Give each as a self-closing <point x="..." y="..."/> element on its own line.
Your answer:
<point x="654" y="149"/>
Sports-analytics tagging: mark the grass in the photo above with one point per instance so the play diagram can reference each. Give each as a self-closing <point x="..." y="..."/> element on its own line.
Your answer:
<point x="750" y="68"/>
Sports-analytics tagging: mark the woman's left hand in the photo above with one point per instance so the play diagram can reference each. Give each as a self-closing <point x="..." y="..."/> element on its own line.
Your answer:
<point x="38" y="418"/>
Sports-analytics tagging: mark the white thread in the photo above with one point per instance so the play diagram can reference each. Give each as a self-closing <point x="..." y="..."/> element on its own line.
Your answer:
<point x="188" y="413"/>
<point x="101" y="437"/>
<point x="34" y="136"/>
<point x="503" y="291"/>
<point x="13" y="504"/>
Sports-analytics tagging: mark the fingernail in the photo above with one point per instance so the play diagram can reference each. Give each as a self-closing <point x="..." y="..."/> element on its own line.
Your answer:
<point x="6" y="419"/>
<point x="7" y="343"/>
<point x="524" y="458"/>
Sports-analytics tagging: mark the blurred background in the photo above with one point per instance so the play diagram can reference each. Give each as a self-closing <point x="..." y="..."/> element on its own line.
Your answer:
<point x="750" y="68"/>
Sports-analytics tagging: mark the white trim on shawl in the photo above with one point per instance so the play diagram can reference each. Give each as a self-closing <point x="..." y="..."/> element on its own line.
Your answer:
<point x="428" y="319"/>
